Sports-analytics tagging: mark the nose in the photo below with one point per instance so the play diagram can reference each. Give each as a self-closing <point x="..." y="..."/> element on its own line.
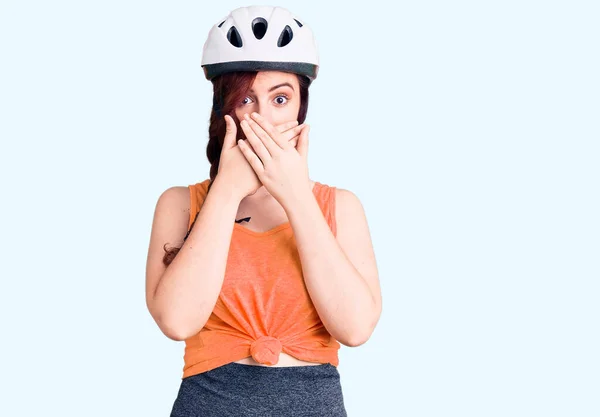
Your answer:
<point x="263" y="110"/>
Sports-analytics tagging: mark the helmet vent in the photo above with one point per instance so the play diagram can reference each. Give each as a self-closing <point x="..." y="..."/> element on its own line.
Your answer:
<point x="233" y="36"/>
<point x="285" y="37"/>
<point x="299" y="24"/>
<point x="221" y="24"/>
<point x="259" y="27"/>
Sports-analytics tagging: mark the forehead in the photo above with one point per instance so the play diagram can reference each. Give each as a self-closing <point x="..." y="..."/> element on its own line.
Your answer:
<point x="266" y="79"/>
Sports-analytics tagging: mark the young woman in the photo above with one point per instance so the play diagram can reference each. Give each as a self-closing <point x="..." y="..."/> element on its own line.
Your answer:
<point x="273" y="270"/>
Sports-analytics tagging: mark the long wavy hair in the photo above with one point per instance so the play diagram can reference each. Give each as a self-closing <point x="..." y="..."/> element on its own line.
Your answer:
<point x="229" y="90"/>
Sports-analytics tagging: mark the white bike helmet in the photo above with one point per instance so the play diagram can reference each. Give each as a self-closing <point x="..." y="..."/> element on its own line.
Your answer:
<point x="259" y="38"/>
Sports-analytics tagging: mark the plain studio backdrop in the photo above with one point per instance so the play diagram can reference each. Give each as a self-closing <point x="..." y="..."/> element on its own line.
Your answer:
<point x="469" y="130"/>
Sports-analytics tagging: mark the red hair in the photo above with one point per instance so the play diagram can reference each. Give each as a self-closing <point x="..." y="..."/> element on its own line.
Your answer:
<point x="229" y="90"/>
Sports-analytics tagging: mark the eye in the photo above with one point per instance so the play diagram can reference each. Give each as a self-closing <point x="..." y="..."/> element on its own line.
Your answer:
<point x="285" y="97"/>
<point x="280" y="100"/>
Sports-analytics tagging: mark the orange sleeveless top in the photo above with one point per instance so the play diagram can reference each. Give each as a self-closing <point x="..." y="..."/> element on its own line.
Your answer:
<point x="263" y="308"/>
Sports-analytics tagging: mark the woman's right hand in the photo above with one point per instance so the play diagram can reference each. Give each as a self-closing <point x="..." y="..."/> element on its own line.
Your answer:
<point x="234" y="169"/>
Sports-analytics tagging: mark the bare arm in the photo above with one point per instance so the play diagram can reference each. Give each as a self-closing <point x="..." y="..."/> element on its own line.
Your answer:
<point x="181" y="297"/>
<point x="340" y="274"/>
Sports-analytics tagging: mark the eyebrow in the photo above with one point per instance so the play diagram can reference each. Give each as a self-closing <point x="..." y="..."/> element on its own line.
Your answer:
<point x="275" y="87"/>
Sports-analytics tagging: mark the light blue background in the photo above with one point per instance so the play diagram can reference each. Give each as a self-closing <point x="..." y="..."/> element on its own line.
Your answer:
<point x="469" y="130"/>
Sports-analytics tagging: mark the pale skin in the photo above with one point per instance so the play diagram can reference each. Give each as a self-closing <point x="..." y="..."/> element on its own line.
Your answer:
<point x="348" y="301"/>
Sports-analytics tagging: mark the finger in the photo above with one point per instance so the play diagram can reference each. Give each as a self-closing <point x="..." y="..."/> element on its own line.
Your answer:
<point x="285" y="126"/>
<point x="257" y="144"/>
<point x="269" y="130"/>
<point x="267" y="141"/>
<point x="251" y="157"/>
<point x="230" y="132"/>
<point x="303" y="142"/>
<point x="292" y="133"/>
<point x="294" y="141"/>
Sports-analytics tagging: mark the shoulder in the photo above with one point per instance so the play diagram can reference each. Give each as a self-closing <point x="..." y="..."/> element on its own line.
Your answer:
<point x="174" y="200"/>
<point x="182" y="201"/>
<point x="347" y="202"/>
<point x="343" y="203"/>
<point x="181" y="195"/>
<point x="349" y="214"/>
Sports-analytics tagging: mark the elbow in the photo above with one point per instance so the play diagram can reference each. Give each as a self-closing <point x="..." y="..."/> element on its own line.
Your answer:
<point x="173" y="334"/>
<point x="353" y="340"/>
<point x="169" y="328"/>
<point x="177" y="333"/>
<point x="357" y="341"/>
<point x="360" y="337"/>
<point x="172" y="326"/>
<point x="180" y="330"/>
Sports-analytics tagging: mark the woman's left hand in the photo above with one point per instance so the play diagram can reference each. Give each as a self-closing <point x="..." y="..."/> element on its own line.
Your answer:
<point x="281" y="167"/>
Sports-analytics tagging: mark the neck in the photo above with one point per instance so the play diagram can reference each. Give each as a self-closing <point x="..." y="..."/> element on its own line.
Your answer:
<point x="258" y="195"/>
